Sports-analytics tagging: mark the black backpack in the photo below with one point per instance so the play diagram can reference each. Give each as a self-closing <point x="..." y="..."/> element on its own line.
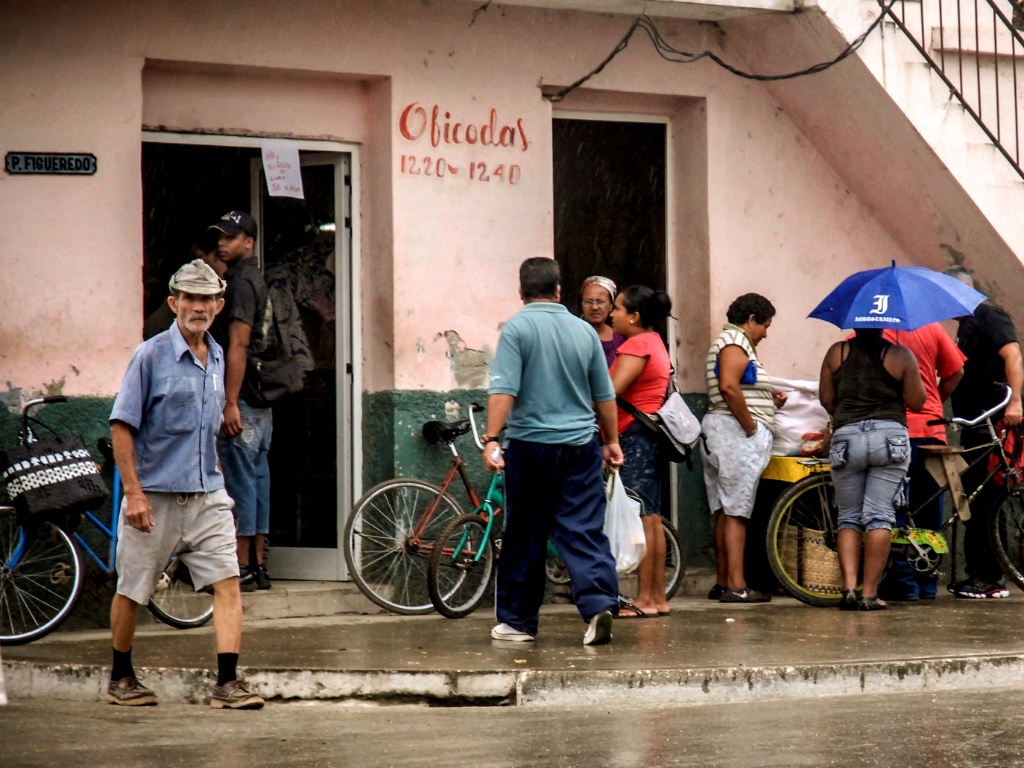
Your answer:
<point x="272" y="372"/>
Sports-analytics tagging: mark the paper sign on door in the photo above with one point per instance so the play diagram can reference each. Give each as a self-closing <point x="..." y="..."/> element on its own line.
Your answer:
<point x="281" y="165"/>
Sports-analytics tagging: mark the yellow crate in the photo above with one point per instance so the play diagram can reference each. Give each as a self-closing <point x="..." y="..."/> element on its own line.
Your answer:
<point x="788" y="469"/>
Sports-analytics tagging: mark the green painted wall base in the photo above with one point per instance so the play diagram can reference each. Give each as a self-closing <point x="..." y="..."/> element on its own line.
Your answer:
<point x="393" y="446"/>
<point x="86" y="416"/>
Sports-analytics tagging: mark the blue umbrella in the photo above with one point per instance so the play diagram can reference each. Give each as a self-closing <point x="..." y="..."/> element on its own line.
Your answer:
<point x="902" y="298"/>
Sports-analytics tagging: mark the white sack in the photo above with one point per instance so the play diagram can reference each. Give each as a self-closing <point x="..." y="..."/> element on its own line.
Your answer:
<point x="802" y="413"/>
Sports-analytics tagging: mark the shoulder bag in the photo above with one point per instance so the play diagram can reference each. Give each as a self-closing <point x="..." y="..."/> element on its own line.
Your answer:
<point x="674" y="425"/>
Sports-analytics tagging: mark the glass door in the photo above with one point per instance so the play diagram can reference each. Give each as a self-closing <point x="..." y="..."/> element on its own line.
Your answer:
<point x="305" y="253"/>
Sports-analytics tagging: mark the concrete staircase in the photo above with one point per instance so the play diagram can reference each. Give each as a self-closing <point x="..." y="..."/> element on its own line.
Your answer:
<point x="296" y="599"/>
<point x="978" y="57"/>
<point x="887" y="125"/>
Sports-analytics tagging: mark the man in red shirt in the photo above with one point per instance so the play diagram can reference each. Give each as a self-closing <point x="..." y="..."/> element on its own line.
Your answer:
<point x="942" y="366"/>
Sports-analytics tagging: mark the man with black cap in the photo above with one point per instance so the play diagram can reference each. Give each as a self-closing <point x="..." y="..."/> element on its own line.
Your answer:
<point x="170" y="404"/>
<point x="245" y="437"/>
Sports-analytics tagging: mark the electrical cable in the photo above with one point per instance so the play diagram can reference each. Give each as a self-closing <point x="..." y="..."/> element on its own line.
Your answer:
<point x="667" y="52"/>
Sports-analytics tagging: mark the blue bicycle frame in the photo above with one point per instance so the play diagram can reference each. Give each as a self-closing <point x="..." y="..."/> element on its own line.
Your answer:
<point x="109" y="566"/>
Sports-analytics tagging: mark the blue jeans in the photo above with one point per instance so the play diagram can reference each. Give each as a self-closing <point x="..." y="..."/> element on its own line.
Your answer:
<point x="557" y="490"/>
<point x="869" y="462"/>
<point x="246" y="469"/>
<point x="902" y="582"/>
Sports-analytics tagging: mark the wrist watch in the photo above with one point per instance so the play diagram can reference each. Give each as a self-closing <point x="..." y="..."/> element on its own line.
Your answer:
<point x="488" y="439"/>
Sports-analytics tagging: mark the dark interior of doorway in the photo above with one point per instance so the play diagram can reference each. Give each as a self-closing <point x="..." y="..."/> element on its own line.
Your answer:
<point x="609" y="196"/>
<point x="186" y="188"/>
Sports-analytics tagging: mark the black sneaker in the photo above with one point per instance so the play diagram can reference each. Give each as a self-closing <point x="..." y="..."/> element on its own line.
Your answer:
<point x="978" y="589"/>
<point x="247" y="578"/>
<point x="747" y="595"/>
<point x="715" y="592"/>
<point x="262" y="577"/>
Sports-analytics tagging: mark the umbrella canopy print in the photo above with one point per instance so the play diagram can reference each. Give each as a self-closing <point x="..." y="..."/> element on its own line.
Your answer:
<point x="901" y="298"/>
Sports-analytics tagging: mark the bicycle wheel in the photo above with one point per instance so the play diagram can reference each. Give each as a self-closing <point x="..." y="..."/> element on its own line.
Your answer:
<point x="388" y="540"/>
<point x="675" y="565"/>
<point x="461" y="567"/>
<point x="801" y="541"/>
<point x="1006" y="530"/>
<point x="40" y="579"/>
<point x="176" y="601"/>
<point x="554" y="566"/>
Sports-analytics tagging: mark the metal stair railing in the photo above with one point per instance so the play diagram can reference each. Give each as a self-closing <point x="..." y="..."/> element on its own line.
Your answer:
<point x="956" y="54"/>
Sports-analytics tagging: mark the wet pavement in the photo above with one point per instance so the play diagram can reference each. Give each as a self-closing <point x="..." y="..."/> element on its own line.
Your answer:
<point x="960" y="729"/>
<point x="699" y="633"/>
<point x="703" y="651"/>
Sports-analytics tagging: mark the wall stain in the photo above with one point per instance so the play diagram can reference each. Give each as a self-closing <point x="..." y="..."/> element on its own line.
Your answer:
<point x="470" y="367"/>
<point x="15" y="397"/>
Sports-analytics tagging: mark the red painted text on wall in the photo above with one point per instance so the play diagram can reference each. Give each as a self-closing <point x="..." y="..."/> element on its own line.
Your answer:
<point x="415" y="123"/>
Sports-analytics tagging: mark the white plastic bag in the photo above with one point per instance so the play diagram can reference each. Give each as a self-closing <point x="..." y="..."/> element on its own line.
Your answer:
<point x="802" y="413"/>
<point x="623" y="526"/>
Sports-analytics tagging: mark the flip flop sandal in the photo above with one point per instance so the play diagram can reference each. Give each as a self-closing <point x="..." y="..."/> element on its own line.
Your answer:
<point x="626" y="604"/>
<point x="636" y="613"/>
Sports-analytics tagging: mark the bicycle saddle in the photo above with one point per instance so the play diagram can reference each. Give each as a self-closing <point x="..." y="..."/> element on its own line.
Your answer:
<point x="444" y="431"/>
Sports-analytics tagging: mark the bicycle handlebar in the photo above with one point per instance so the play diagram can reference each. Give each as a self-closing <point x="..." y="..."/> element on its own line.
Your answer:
<point x="978" y="419"/>
<point x="475" y="408"/>
<point x="23" y="428"/>
<point x="41" y="401"/>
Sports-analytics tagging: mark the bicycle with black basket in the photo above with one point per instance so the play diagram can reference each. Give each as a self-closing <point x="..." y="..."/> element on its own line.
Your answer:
<point x="41" y="565"/>
<point x="802" y="531"/>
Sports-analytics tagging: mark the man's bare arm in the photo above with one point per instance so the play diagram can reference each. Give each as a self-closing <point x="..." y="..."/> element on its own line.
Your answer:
<point x="139" y="513"/>
<point x="948" y="384"/>
<point x="608" y="415"/>
<point x="234" y="372"/>
<point x="1015" y="379"/>
<point x="498" y="408"/>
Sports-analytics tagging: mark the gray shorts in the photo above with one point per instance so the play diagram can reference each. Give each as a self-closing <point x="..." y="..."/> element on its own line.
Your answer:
<point x="735" y="464"/>
<point x="199" y="527"/>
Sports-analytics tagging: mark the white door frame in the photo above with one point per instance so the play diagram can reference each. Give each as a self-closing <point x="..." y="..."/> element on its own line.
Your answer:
<point x="309" y="563"/>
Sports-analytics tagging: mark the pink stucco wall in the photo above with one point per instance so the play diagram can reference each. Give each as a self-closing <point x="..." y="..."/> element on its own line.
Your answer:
<point x="755" y="206"/>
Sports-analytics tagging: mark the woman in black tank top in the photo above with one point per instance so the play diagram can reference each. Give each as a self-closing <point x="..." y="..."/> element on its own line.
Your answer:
<point x="866" y="385"/>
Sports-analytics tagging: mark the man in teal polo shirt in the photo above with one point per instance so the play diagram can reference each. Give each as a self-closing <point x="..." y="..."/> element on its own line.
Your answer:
<point x="548" y="376"/>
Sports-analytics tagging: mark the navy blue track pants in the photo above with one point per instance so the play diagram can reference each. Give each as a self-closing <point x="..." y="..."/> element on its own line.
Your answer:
<point x="553" y="490"/>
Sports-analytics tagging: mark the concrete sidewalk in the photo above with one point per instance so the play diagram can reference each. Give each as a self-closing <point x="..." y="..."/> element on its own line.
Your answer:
<point x="703" y="652"/>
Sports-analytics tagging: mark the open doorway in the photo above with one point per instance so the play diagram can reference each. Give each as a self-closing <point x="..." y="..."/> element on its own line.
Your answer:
<point x="304" y="248"/>
<point x="610" y="218"/>
<point x="609" y="195"/>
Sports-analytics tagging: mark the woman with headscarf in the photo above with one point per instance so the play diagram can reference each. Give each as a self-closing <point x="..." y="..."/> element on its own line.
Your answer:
<point x="640" y="375"/>
<point x="867" y="384"/>
<point x="597" y="295"/>
<point x="738" y="438"/>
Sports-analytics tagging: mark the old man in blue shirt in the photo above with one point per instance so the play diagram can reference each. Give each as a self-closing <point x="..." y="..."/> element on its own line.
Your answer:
<point x="164" y="428"/>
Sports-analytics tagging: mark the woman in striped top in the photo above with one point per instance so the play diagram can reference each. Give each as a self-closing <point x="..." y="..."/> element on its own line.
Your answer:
<point x="738" y="430"/>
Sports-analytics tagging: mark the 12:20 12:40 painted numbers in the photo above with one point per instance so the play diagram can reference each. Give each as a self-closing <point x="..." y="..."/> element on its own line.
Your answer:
<point x="438" y="167"/>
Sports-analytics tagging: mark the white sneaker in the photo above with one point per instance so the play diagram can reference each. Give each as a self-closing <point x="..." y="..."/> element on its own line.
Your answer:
<point x="599" y="631"/>
<point x="505" y="632"/>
